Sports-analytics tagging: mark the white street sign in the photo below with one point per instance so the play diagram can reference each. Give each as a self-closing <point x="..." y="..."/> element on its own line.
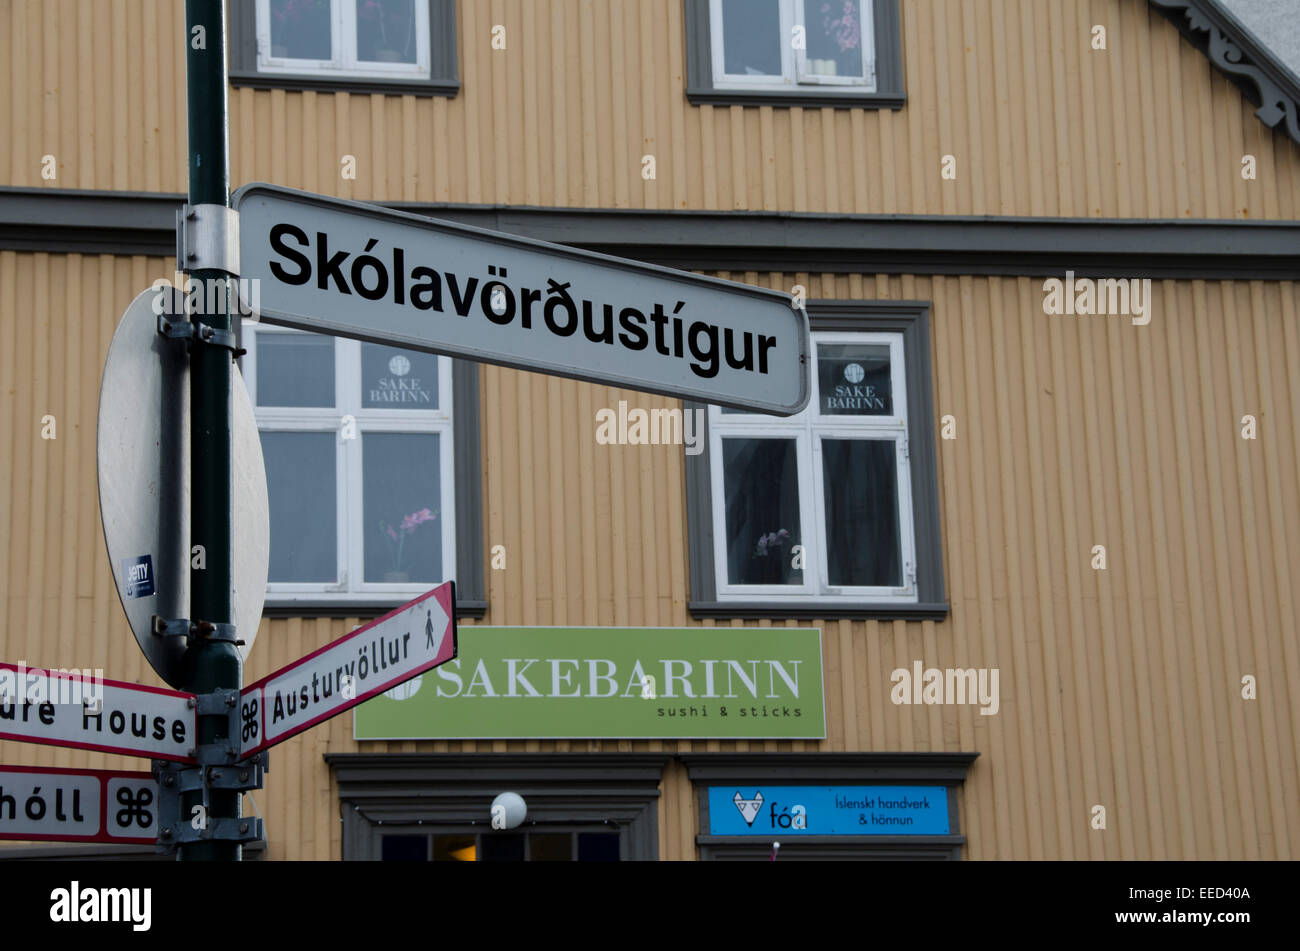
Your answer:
<point x="67" y="708"/>
<point x="78" y="805"/>
<point x="360" y="270"/>
<point x="406" y="642"/>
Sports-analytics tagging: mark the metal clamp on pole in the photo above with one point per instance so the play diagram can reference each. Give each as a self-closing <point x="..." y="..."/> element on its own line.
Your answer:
<point x="207" y="238"/>
<point x="178" y="778"/>
<point x="223" y="703"/>
<point x="180" y="328"/>
<point x="174" y="779"/>
<point x="177" y="627"/>
<point x="212" y="830"/>
<point x="217" y="631"/>
<point x="183" y="627"/>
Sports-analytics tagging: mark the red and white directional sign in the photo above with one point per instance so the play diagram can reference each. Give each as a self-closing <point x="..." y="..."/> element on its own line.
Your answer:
<point x="78" y="805"/>
<point x="73" y="708"/>
<point x="414" y="638"/>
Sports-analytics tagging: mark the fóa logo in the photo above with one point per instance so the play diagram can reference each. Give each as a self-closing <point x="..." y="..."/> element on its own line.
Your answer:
<point x="789" y="817"/>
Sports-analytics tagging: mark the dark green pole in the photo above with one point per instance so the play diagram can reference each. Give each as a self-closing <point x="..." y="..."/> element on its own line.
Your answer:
<point x="211" y="665"/>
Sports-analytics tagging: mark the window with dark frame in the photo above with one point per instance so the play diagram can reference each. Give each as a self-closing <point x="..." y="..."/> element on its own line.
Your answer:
<point x="819" y="503"/>
<point x="368" y="485"/>
<point x="388" y="46"/>
<point x="834" y="511"/>
<point x="842" y="53"/>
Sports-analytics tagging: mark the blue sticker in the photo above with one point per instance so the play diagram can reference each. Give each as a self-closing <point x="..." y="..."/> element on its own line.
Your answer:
<point x="137" y="573"/>
<point x="828" y="810"/>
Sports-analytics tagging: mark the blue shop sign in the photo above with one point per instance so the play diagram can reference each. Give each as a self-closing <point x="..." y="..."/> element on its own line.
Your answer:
<point x="828" y="810"/>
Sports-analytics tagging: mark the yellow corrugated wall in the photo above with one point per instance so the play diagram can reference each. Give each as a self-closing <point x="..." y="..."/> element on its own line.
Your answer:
<point x="1037" y="121"/>
<point x="1119" y="687"/>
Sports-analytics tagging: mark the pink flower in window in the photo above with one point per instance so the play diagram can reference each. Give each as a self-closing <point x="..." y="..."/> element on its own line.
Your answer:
<point x="846" y="29"/>
<point x="396" y="537"/>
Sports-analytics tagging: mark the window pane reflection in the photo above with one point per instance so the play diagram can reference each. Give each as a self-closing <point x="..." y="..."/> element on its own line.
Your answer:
<point x="301" y="29"/>
<point x="834" y="37"/>
<point x="860" y="478"/>
<point x="455" y="848"/>
<point x="550" y="847"/>
<point x="402" y="523"/>
<point x="751" y="37"/>
<point x="386" y="31"/>
<point x="295" y="370"/>
<point x="502" y="847"/>
<point x="761" y="486"/>
<point x="300" y="485"/>
<point x="404" y="848"/>
<point x="597" y="846"/>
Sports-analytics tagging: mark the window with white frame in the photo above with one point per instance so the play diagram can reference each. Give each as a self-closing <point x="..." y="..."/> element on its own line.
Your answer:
<point x="819" y="505"/>
<point x="777" y="44"/>
<point x="358" y="443"/>
<point x="363" y="38"/>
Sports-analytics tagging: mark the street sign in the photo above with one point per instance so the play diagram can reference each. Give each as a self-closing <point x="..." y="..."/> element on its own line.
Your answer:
<point x="359" y="270"/>
<point x="378" y="656"/>
<point x="144" y="484"/>
<point x="65" y="708"/>
<point x="78" y="805"/>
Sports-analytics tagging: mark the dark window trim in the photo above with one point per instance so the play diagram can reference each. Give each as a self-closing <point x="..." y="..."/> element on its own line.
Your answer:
<point x="829" y="769"/>
<point x="455" y="789"/>
<point x="467" y="468"/>
<point x="912" y="320"/>
<point x="82" y="221"/>
<point x="442" y="79"/>
<point x="889" y="93"/>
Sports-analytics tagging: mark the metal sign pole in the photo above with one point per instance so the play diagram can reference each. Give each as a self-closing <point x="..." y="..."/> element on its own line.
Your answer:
<point x="212" y="663"/>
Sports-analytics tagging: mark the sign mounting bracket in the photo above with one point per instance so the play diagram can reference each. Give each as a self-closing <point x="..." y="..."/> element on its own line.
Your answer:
<point x="183" y="627"/>
<point x="175" y="779"/>
<point x="176" y="328"/>
<point x="220" y="703"/>
<point x="207" y="238"/>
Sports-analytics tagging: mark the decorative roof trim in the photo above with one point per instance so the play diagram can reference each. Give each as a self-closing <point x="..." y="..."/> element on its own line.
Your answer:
<point x="1232" y="48"/>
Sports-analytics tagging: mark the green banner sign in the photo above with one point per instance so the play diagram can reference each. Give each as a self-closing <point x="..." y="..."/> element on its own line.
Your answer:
<point x="611" y="682"/>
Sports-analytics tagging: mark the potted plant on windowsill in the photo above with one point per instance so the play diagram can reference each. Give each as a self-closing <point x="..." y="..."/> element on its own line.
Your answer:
<point x="396" y="538"/>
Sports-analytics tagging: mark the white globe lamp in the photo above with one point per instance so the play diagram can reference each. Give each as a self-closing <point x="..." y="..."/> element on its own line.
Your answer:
<point x="508" y="811"/>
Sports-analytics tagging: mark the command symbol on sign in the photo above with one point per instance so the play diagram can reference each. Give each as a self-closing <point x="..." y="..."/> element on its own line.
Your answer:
<point x="137" y="807"/>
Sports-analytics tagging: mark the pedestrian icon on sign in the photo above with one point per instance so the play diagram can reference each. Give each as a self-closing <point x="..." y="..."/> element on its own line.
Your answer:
<point x="428" y="629"/>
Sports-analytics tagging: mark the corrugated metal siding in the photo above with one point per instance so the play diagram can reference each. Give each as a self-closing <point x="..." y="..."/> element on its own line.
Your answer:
<point x="1119" y="688"/>
<point x="1038" y="122"/>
